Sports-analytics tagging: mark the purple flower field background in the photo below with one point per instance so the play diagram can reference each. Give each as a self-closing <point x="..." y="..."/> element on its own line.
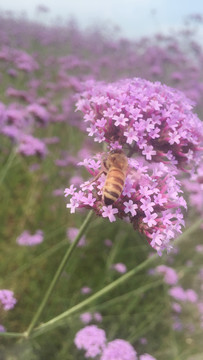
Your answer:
<point x="66" y="98"/>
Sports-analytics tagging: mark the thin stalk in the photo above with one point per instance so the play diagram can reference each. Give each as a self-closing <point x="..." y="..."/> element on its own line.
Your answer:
<point x="94" y="297"/>
<point x="11" y="334"/>
<point x="7" y="166"/>
<point x="134" y="292"/>
<point x="58" y="273"/>
<point x="54" y="322"/>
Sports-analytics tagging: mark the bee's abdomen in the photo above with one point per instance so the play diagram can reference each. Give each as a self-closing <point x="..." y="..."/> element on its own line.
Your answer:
<point x="113" y="186"/>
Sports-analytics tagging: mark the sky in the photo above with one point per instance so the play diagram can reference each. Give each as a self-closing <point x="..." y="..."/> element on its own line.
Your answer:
<point x="134" y="17"/>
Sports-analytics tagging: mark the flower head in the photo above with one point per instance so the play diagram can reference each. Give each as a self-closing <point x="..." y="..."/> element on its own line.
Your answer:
<point x="191" y="295"/>
<point x="39" y="112"/>
<point x="170" y="275"/>
<point x="178" y="293"/>
<point x="2" y="328"/>
<point x="120" y="350"/>
<point x="146" y="357"/>
<point x="194" y="188"/>
<point x="86" y="317"/>
<point x="151" y="199"/>
<point x="72" y="233"/>
<point x="26" y="239"/>
<point x="91" y="339"/>
<point x="97" y="317"/>
<point x="120" y="267"/>
<point x="30" y="146"/>
<point x="154" y="120"/>
<point x="85" y="290"/>
<point x="7" y="299"/>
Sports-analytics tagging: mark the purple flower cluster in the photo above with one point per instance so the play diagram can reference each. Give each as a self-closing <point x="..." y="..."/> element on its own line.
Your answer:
<point x="19" y="58"/>
<point x="93" y="341"/>
<point x="30" y="145"/>
<point x="194" y="189"/>
<point x="170" y="275"/>
<point x="85" y="290"/>
<point x="183" y="300"/>
<point x="72" y="233"/>
<point x="147" y="357"/>
<point x="184" y="296"/>
<point x="119" y="349"/>
<point x="17" y="122"/>
<point x="178" y="293"/>
<point x="153" y="120"/>
<point x="87" y="317"/>
<point x="7" y="300"/>
<point x="155" y="124"/>
<point x="40" y="113"/>
<point x="120" y="268"/>
<point x="26" y="239"/>
<point x="151" y="199"/>
<point x="2" y="328"/>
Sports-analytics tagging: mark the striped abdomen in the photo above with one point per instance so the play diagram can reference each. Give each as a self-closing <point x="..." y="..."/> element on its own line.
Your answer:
<point x="113" y="186"/>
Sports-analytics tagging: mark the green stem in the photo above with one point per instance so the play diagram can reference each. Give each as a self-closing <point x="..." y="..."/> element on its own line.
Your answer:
<point x="95" y="296"/>
<point x="7" y="166"/>
<point x="53" y="322"/>
<point x="58" y="273"/>
<point x="11" y="334"/>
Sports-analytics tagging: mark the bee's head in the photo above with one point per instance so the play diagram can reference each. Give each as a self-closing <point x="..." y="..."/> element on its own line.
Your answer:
<point x="116" y="151"/>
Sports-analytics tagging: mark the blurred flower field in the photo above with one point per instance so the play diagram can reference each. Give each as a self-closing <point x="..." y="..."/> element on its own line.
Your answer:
<point x="80" y="278"/>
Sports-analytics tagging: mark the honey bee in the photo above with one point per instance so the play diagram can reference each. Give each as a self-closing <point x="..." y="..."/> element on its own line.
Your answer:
<point x="115" y="167"/>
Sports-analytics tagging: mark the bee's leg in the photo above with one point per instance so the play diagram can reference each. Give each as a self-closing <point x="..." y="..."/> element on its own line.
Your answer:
<point x="97" y="176"/>
<point x="104" y="170"/>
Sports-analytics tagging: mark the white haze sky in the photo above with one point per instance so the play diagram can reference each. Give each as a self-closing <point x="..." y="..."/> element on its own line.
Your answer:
<point x="134" y="17"/>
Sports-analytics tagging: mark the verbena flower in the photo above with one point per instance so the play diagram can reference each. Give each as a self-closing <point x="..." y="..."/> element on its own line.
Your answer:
<point x="194" y="188"/>
<point x="85" y="290"/>
<point x="120" y="267"/>
<point x="2" y="328"/>
<point x="26" y="239"/>
<point x="120" y="350"/>
<point x="7" y="299"/>
<point x="152" y="119"/>
<point x="58" y="192"/>
<point x="40" y="113"/>
<point x="146" y="357"/>
<point x="72" y="233"/>
<point x="177" y="324"/>
<point x="87" y="317"/>
<point x="91" y="339"/>
<point x="30" y="146"/>
<point x="191" y="296"/>
<point x="97" y="317"/>
<point x="176" y="307"/>
<point x="143" y="341"/>
<point x="199" y="248"/>
<point x="178" y="293"/>
<point x="108" y="242"/>
<point x="170" y="275"/>
<point x="151" y="199"/>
